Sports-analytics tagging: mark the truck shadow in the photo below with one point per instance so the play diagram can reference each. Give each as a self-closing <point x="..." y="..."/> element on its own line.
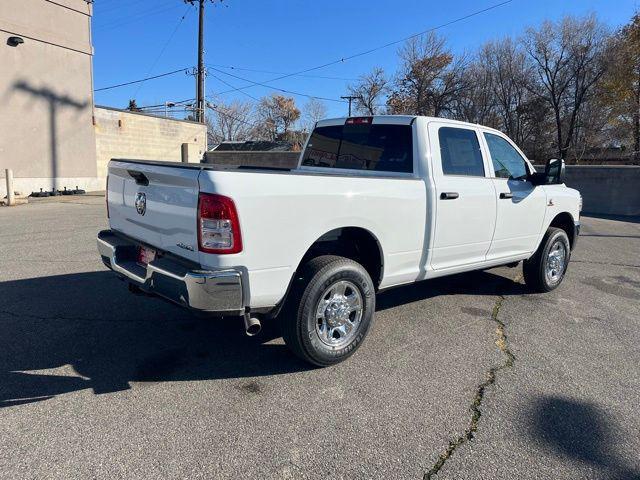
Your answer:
<point x="480" y="282"/>
<point x="65" y="333"/>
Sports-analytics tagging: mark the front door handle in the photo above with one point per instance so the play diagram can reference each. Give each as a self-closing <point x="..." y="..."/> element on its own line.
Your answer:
<point x="449" y="195"/>
<point x="504" y="195"/>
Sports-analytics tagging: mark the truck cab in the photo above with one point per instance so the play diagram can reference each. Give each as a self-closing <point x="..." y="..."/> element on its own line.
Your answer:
<point x="489" y="208"/>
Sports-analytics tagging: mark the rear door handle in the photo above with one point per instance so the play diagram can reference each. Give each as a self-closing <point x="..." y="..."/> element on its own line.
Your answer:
<point x="504" y="195"/>
<point x="449" y="195"/>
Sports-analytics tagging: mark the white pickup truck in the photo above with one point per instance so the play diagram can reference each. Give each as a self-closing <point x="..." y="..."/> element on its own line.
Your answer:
<point x="374" y="203"/>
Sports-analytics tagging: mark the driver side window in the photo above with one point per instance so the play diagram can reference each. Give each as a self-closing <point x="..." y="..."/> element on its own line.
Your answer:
<point x="507" y="162"/>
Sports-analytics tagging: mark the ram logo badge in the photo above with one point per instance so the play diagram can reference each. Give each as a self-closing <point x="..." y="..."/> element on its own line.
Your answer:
<point x="141" y="203"/>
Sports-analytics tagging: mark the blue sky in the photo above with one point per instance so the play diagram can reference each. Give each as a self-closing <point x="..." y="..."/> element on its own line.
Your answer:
<point x="138" y="38"/>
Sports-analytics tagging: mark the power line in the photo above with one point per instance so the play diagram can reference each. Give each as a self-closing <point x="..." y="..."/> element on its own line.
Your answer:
<point x="232" y="86"/>
<point x="231" y="67"/>
<point x="179" y="102"/>
<point x="223" y="113"/>
<point x="132" y="19"/>
<point x="270" y="87"/>
<point x="317" y="67"/>
<point x="141" y="80"/>
<point x="386" y="45"/>
<point x="155" y="62"/>
<point x="99" y="8"/>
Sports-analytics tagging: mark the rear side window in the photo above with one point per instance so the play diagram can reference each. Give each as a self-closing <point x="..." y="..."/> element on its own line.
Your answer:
<point x="460" y="152"/>
<point x="380" y="148"/>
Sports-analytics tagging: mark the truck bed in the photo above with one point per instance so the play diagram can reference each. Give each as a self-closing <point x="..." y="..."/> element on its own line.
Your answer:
<point x="282" y="213"/>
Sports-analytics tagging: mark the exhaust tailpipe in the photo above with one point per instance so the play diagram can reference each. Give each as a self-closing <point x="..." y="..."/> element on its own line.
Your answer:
<point x="251" y="325"/>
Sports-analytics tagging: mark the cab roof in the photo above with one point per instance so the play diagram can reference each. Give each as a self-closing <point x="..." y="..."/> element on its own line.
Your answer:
<point x="394" y="120"/>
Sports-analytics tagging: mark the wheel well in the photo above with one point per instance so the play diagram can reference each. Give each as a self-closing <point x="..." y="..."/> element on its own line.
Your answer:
<point x="564" y="221"/>
<point x="355" y="243"/>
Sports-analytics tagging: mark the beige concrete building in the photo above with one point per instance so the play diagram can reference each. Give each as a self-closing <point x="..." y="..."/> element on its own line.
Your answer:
<point x="46" y="129"/>
<point x="50" y="130"/>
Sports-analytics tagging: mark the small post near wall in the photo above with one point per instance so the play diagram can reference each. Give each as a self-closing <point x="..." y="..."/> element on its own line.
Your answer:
<point x="185" y="152"/>
<point x="10" y="192"/>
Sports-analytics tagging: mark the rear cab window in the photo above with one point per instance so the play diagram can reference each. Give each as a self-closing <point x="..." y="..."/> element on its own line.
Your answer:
<point x="362" y="146"/>
<point x="460" y="152"/>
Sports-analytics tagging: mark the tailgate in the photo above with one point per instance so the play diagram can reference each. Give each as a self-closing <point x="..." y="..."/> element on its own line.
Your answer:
<point x="165" y="213"/>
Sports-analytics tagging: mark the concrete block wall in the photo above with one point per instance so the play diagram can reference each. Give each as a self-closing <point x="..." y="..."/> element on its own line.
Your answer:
<point x="609" y="190"/>
<point x="132" y="135"/>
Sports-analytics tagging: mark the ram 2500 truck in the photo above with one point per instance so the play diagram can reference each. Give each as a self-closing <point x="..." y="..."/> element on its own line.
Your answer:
<point x="374" y="203"/>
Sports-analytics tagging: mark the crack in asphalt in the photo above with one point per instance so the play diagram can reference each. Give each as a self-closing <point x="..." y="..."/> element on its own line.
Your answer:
<point x="490" y="378"/>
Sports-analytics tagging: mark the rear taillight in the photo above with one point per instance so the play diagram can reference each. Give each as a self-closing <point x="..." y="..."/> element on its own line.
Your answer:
<point x="218" y="225"/>
<point x="106" y="196"/>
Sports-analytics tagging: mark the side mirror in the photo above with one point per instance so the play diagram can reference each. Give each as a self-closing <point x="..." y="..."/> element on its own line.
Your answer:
<point x="553" y="174"/>
<point x="554" y="171"/>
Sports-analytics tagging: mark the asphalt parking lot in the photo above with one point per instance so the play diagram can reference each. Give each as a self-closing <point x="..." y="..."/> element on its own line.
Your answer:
<point x="467" y="377"/>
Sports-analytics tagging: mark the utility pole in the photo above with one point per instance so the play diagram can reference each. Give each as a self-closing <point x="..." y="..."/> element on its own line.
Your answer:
<point x="200" y="90"/>
<point x="200" y="74"/>
<point x="350" y="98"/>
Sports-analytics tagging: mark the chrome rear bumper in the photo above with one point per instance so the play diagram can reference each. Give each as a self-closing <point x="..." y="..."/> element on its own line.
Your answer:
<point x="212" y="291"/>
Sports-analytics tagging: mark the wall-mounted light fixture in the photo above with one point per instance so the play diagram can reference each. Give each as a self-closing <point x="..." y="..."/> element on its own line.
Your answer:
<point x="15" y="41"/>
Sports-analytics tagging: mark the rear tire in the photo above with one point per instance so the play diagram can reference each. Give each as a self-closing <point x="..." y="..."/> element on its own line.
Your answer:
<point x="545" y="270"/>
<point x="330" y="310"/>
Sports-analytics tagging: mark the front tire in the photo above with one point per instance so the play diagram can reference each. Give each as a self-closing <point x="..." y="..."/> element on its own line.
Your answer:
<point x="334" y="311"/>
<point x="545" y="270"/>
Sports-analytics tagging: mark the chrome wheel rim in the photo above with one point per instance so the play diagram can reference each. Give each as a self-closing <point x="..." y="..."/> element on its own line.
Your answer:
<point x="339" y="313"/>
<point x="555" y="262"/>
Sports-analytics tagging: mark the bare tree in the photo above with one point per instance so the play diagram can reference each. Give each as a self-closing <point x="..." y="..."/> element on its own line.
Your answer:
<point x="133" y="106"/>
<point x="430" y="79"/>
<point x="569" y="59"/>
<point x="277" y="114"/>
<point x="622" y="85"/>
<point x="313" y="111"/>
<point x="509" y="73"/>
<point x="229" y="122"/>
<point x="369" y="92"/>
<point x="476" y="102"/>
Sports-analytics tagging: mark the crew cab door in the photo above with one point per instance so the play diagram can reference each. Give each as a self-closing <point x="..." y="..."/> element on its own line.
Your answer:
<point x="465" y="201"/>
<point x="520" y="204"/>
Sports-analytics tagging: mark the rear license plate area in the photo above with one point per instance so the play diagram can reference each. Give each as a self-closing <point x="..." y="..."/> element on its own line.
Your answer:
<point x="144" y="255"/>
